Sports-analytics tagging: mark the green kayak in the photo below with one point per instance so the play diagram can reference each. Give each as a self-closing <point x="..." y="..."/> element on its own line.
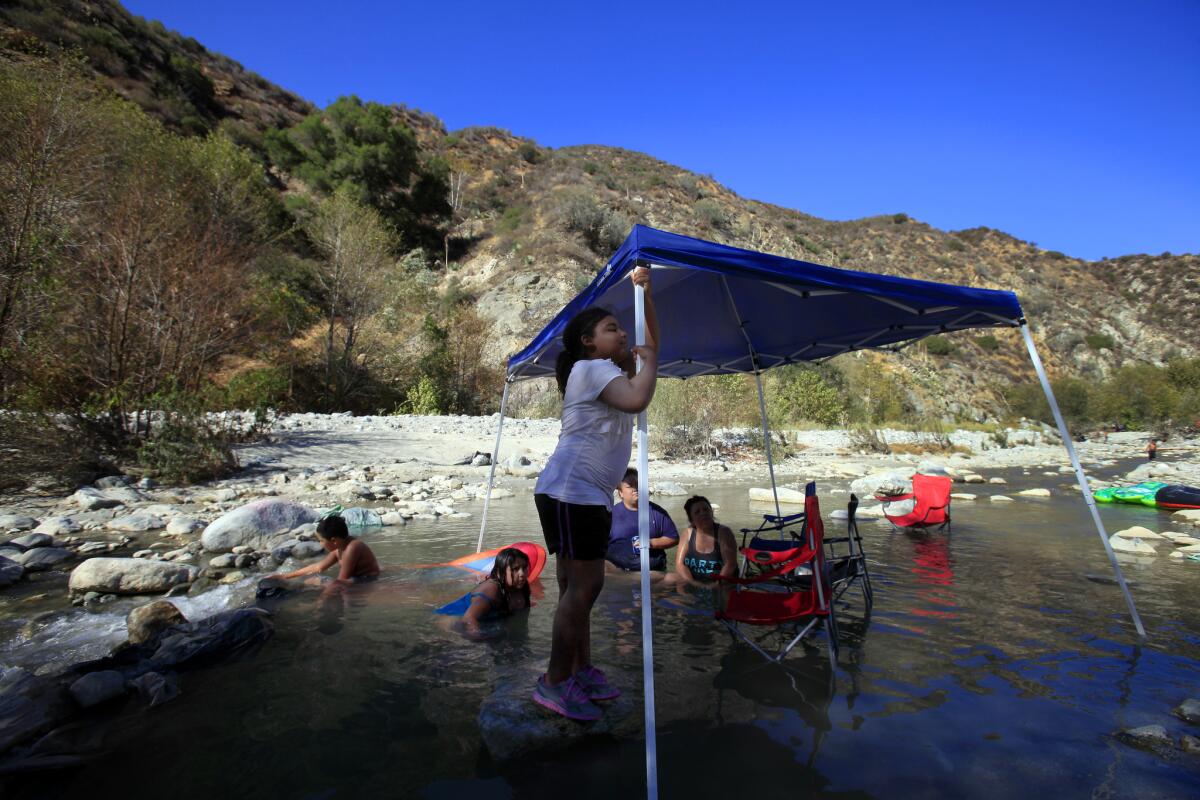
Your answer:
<point x="1138" y="494"/>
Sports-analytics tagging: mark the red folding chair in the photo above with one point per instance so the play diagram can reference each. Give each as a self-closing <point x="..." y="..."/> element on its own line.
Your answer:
<point x="783" y="582"/>
<point x="931" y="503"/>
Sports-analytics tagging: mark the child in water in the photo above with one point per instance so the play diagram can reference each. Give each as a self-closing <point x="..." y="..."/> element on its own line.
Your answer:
<point x="601" y="391"/>
<point x="357" y="562"/>
<point x="504" y="591"/>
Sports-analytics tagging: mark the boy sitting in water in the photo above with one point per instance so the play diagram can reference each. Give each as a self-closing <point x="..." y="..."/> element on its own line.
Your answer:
<point x="358" y="563"/>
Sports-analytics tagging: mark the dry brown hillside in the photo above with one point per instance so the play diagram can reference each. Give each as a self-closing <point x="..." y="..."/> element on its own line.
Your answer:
<point x="534" y="224"/>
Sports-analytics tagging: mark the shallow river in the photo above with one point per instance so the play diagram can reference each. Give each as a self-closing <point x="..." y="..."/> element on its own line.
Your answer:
<point x="991" y="666"/>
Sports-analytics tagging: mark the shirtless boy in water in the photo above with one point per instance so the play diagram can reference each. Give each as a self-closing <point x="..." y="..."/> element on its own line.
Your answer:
<point x="355" y="557"/>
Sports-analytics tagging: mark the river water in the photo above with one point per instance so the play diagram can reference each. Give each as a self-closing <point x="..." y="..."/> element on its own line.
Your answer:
<point x="992" y="665"/>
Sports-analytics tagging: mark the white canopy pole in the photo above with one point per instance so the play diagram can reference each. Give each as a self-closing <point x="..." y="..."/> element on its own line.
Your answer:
<point x="487" y="498"/>
<point x="639" y="300"/>
<point x="1079" y="474"/>
<point x="762" y="407"/>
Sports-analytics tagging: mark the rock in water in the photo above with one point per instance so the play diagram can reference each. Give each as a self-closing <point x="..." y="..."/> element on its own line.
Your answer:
<point x="1122" y="544"/>
<point x="883" y="483"/>
<point x="786" y="496"/>
<point x="212" y="640"/>
<point x="1149" y="736"/>
<point x="301" y="551"/>
<point x="1189" y="710"/>
<point x="32" y="540"/>
<point x="1034" y="493"/>
<point x="128" y="576"/>
<point x="137" y="522"/>
<point x="669" y="489"/>
<point x="512" y="725"/>
<point x="16" y="522"/>
<point x="43" y="558"/>
<point x="146" y="622"/>
<point x="261" y="524"/>
<point x="58" y="526"/>
<point x="10" y="572"/>
<point x="96" y="687"/>
<point x="155" y="688"/>
<point x="181" y="526"/>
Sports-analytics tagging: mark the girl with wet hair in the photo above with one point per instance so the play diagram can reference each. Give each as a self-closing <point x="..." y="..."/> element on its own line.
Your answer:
<point x="503" y="591"/>
<point x="601" y="390"/>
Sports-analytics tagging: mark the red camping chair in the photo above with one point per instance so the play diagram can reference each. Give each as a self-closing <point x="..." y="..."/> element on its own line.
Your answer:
<point x="784" y="582"/>
<point x="931" y="503"/>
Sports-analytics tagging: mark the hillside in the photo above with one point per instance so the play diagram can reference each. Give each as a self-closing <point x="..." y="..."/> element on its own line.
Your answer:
<point x="534" y="224"/>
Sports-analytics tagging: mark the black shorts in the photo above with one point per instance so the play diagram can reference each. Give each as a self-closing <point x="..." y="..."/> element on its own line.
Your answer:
<point x="574" y="531"/>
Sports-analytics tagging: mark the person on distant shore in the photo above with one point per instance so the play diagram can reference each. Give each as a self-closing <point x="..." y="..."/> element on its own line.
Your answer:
<point x="624" y="547"/>
<point x="357" y="562"/>
<point x="707" y="548"/>
<point x="601" y="390"/>
<point x="1152" y="450"/>
<point x="503" y="592"/>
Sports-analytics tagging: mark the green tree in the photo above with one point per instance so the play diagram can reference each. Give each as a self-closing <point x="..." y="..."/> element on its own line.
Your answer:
<point x="805" y="394"/>
<point x="359" y="149"/>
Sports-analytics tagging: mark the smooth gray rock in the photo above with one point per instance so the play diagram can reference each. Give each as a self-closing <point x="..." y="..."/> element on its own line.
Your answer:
<point x="112" y="482"/>
<point x="222" y="562"/>
<point x="95" y="688"/>
<point x="146" y="622"/>
<point x="58" y="526"/>
<point x="43" y="558"/>
<point x="90" y="499"/>
<point x="1189" y="710"/>
<point x="17" y="522"/>
<point x="10" y="572"/>
<point x="129" y="576"/>
<point x="182" y="526"/>
<point x="302" y="551"/>
<point x="281" y="551"/>
<point x="125" y="496"/>
<point x="668" y="489"/>
<point x="32" y="540"/>
<point x="261" y="524"/>
<point x="138" y="522"/>
<point x="513" y="726"/>
<point x="881" y="483"/>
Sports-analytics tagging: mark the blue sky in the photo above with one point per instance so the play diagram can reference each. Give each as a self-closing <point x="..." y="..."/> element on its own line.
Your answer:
<point x="1073" y="125"/>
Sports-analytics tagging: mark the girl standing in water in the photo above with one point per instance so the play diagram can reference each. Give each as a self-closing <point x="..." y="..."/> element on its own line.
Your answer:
<point x="601" y="391"/>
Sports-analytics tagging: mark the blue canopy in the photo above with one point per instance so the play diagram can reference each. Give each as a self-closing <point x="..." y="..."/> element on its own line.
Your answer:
<point x="723" y="309"/>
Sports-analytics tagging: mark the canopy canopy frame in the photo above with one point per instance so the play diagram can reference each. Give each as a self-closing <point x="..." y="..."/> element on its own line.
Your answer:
<point x="617" y="268"/>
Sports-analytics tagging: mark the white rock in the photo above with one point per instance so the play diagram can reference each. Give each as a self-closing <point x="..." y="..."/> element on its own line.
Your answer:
<point x="90" y="499"/>
<point x="999" y="498"/>
<point x="786" y="496"/>
<point x="137" y="522"/>
<point x="963" y="496"/>
<point x="972" y="477"/>
<point x="41" y="559"/>
<point x="58" y="526"/>
<point x="260" y="524"/>
<point x="1190" y="516"/>
<point x="1137" y="532"/>
<point x="182" y="526"/>
<point x="17" y="522"/>
<point x="997" y="481"/>
<point x="128" y="576"/>
<point x="1122" y="544"/>
<point x="1034" y="492"/>
<point x="885" y="483"/>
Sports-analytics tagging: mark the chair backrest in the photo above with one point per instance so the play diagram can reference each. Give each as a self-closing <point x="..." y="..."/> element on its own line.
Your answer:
<point x="932" y="491"/>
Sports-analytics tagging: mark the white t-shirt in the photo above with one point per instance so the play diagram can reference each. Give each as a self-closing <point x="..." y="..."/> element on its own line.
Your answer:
<point x="595" y="442"/>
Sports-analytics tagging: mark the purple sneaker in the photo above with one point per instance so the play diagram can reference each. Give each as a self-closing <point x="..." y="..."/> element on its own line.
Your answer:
<point x="568" y="699"/>
<point x="595" y="684"/>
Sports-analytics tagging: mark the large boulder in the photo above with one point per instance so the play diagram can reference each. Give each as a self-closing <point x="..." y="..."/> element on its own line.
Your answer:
<point x="146" y="622"/>
<point x="129" y="576"/>
<point x="217" y="638"/>
<point x="882" y="483"/>
<point x="261" y="524"/>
